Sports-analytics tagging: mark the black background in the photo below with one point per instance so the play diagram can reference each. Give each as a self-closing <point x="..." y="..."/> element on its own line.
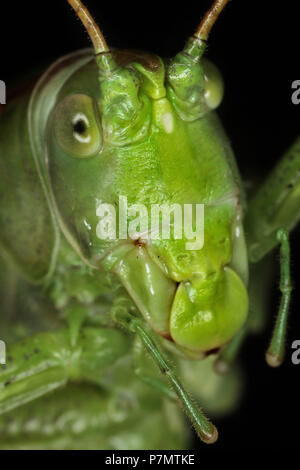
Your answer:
<point x="255" y="44"/>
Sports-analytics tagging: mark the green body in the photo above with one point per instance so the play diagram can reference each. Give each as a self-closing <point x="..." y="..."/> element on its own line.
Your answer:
<point x="172" y="161"/>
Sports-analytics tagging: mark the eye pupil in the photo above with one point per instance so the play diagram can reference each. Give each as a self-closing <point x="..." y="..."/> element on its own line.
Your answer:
<point x="79" y="127"/>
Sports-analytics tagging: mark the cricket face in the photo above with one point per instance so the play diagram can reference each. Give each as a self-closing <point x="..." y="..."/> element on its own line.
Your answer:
<point x="182" y="279"/>
<point x="132" y="138"/>
<point x="141" y="184"/>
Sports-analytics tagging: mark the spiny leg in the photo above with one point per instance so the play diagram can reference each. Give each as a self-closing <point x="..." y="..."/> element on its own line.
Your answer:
<point x="275" y="352"/>
<point x="83" y="416"/>
<point x="260" y="282"/>
<point x="272" y="213"/>
<point x="275" y="205"/>
<point x="204" y="428"/>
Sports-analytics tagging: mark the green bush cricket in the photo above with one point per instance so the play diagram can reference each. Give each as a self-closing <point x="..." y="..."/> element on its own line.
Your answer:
<point x="121" y="123"/>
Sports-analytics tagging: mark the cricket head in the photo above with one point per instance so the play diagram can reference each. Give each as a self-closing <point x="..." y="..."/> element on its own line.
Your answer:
<point x="142" y="184"/>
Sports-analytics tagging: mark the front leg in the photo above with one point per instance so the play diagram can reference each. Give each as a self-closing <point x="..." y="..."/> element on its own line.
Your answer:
<point x="275" y="353"/>
<point x="273" y="212"/>
<point x="276" y="205"/>
<point x="47" y="361"/>
<point x="122" y="315"/>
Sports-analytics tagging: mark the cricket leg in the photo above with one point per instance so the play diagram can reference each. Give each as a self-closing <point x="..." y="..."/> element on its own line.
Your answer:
<point x="259" y="288"/>
<point x="273" y="213"/>
<point x="47" y="361"/>
<point x="143" y="374"/>
<point x="276" y="205"/>
<point x="275" y="352"/>
<point x="204" y="428"/>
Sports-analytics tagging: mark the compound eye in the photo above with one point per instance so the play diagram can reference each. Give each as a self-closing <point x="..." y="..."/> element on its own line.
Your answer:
<point x="213" y="84"/>
<point x="77" y="126"/>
